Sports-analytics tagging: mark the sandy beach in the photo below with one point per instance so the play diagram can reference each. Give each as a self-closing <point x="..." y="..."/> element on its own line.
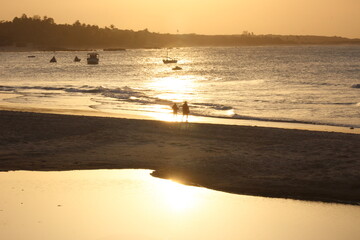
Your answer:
<point x="261" y="161"/>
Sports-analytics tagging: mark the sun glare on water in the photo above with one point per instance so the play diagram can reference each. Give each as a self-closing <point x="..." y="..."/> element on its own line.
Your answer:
<point x="175" y="88"/>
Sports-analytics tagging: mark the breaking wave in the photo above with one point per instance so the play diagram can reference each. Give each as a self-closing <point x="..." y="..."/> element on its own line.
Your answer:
<point x="130" y="95"/>
<point x="264" y="119"/>
<point x="214" y="106"/>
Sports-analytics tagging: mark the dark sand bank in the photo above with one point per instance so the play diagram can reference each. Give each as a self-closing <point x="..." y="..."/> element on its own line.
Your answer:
<point x="274" y="162"/>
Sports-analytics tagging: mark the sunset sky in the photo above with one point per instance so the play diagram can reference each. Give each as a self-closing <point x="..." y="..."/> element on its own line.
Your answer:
<point x="296" y="17"/>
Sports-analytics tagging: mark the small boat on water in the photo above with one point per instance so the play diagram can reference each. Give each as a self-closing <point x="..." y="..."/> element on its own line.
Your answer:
<point x="177" y="68"/>
<point x="93" y="58"/>
<point x="53" y="60"/>
<point x="76" y="59"/>
<point x="168" y="59"/>
<point x="31" y="56"/>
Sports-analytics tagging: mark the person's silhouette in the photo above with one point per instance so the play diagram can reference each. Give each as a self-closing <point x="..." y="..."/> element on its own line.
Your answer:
<point x="185" y="110"/>
<point x="175" y="109"/>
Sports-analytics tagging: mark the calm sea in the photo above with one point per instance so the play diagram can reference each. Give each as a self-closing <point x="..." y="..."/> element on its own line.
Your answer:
<point x="307" y="84"/>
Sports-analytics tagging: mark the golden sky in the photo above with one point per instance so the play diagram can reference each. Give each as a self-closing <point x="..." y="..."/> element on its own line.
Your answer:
<point x="296" y="17"/>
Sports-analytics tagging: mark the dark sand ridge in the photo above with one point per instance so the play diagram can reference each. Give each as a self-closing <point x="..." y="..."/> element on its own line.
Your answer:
<point x="298" y="164"/>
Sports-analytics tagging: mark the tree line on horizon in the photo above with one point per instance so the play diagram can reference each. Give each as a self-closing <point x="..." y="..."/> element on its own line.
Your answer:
<point x="44" y="34"/>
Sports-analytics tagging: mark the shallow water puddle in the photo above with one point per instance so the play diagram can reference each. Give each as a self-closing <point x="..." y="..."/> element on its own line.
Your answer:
<point x="130" y="204"/>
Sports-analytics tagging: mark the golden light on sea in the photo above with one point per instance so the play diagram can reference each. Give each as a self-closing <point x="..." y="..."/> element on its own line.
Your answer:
<point x="175" y="88"/>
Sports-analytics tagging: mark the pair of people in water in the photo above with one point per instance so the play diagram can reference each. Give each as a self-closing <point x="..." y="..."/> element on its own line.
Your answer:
<point x="185" y="110"/>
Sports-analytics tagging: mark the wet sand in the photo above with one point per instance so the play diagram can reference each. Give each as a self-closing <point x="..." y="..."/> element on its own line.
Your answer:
<point x="261" y="161"/>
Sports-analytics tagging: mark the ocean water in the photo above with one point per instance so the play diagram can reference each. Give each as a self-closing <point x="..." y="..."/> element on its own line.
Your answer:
<point x="306" y="84"/>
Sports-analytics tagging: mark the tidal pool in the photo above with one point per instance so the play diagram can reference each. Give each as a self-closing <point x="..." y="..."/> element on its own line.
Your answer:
<point x="130" y="204"/>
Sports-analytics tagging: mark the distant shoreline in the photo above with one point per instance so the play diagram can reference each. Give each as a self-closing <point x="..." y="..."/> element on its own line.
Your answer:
<point x="34" y="49"/>
<point x="43" y="33"/>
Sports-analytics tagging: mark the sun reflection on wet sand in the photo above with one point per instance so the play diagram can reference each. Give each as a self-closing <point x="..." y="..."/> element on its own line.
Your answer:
<point x="165" y="114"/>
<point x="130" y="204"/>
<point x="179" y="197"/>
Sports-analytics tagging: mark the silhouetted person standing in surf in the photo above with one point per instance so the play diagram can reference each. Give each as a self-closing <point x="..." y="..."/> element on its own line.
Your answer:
<point x="185" y="110"/>
<point x="175" y="109"/>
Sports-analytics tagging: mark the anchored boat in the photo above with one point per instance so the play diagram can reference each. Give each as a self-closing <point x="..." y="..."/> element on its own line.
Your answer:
<point x="53" y="60"/>
<point x="168" y="59"/>
<point x="93" y="58"/>
<point x="76" y="59"/>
